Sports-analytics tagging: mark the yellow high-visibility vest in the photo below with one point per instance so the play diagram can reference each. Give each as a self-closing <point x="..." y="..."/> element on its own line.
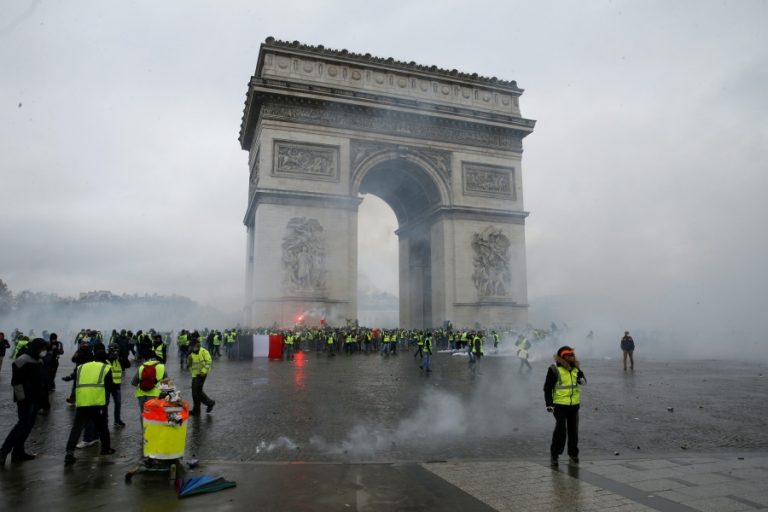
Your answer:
<point x="200" y="363"/>
<point x="89" y="384"/>
<point x="117" y="371"/>
<point x="567" y="391"/>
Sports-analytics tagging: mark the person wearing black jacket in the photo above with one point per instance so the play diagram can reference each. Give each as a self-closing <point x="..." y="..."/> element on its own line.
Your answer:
<point x="628" y="348"/>
<point x="4" y="346"/>
<point x="51" y="361"/>
<point x="84" y="354"/>
<point x="562" y="396"/>
<point x="29" y="392"/>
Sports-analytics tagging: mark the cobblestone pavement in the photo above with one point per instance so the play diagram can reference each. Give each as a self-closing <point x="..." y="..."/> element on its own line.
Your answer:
<point x="716" y="483"/>
<point x="367" y="432"/>
<point x="722" y="483"/>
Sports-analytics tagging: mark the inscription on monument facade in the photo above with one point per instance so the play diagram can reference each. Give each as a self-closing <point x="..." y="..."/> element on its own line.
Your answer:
<point x="306" y="161"/>
<point x="486" y="180"/>
<point x="304" y="256"/>
<point x="492" y="276"/>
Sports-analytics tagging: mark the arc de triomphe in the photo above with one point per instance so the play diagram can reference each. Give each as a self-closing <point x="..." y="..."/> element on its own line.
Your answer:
<point x="442" y="148"/>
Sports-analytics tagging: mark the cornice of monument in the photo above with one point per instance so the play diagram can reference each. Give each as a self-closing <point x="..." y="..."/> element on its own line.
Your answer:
<point x="416" y="124"/>
<point x="389" y="63"/>
<point x="296" y="69"/>
<point x="463" y="212"/>
<point x="261" y="86"/>
<point x="298" y="198"/>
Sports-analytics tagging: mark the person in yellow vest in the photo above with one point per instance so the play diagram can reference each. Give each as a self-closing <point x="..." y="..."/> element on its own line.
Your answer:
<point x="562" y="396"/>
<point x="231" y="340"/>
<point x="93" y="380"/>
<point x="419" y="346"/>
<point x="523" y="345"/>
<point x="199" y="363"/>
<point x="349" y="341"/>
<point x="288" y="343"/>
<point x="158" y="348"/>
<point x="113" y="359"/>
<point x="22" y="342"/>
<point x="329" y="343"/>
<point x="182" y="340"/>
<point x="385" y="342"/>
<point x="147" y="380"/>
<point x="476" y="348"/>
<point x="216" y="344"/>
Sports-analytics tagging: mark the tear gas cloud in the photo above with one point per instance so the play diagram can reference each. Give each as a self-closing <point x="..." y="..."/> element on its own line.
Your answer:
<point x="498" y="405"/>
<point x="161" y="314"/>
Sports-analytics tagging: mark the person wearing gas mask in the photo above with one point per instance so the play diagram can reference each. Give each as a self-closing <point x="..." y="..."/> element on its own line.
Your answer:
<point x="29" y="392"/>
<point x="562" y="395"/>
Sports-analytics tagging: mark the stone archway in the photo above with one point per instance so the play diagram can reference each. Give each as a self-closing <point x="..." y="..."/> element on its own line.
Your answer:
<point x="442" y="148"/>
<point x="413" y="187"/>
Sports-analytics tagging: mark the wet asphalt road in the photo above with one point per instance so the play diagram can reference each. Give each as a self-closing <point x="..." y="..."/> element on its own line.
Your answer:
<point x="369" y="408"/>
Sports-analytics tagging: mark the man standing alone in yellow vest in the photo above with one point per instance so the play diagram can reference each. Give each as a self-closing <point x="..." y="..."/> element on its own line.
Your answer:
<point x="93" y="380"/>
<point x="199" y="363"/>
<point x="563" y="398"/>
<point x="147" y="380"/>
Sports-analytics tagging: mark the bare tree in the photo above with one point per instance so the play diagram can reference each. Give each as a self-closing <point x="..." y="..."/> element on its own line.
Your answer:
<point x="6" y="298"/>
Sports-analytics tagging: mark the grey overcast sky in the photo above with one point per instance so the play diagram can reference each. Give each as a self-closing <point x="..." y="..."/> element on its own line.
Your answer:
<point x="645" y="177"/>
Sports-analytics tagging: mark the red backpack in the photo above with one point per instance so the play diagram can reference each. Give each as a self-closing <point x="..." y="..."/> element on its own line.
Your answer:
<point x="148" y="379"/>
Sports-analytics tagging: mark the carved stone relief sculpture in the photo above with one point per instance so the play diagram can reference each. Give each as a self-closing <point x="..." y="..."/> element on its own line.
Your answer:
<point x="489" y="181"/>
<point x="361" y="150"/>
<point x="492" y="276"/>
<point x="304" y="255"/>
<point x="254" y="177"/>
<point x="305" y="161"/>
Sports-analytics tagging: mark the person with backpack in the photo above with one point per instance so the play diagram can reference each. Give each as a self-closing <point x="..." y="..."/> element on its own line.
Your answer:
<point x="147" y="380"/>
<point x="199" y="363"/>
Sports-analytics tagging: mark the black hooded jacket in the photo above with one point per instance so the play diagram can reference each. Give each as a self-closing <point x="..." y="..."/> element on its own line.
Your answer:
<point x="27" y="377"/>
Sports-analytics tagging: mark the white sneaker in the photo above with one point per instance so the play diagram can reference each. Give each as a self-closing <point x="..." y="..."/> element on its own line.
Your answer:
<point x="86" y="444"/>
